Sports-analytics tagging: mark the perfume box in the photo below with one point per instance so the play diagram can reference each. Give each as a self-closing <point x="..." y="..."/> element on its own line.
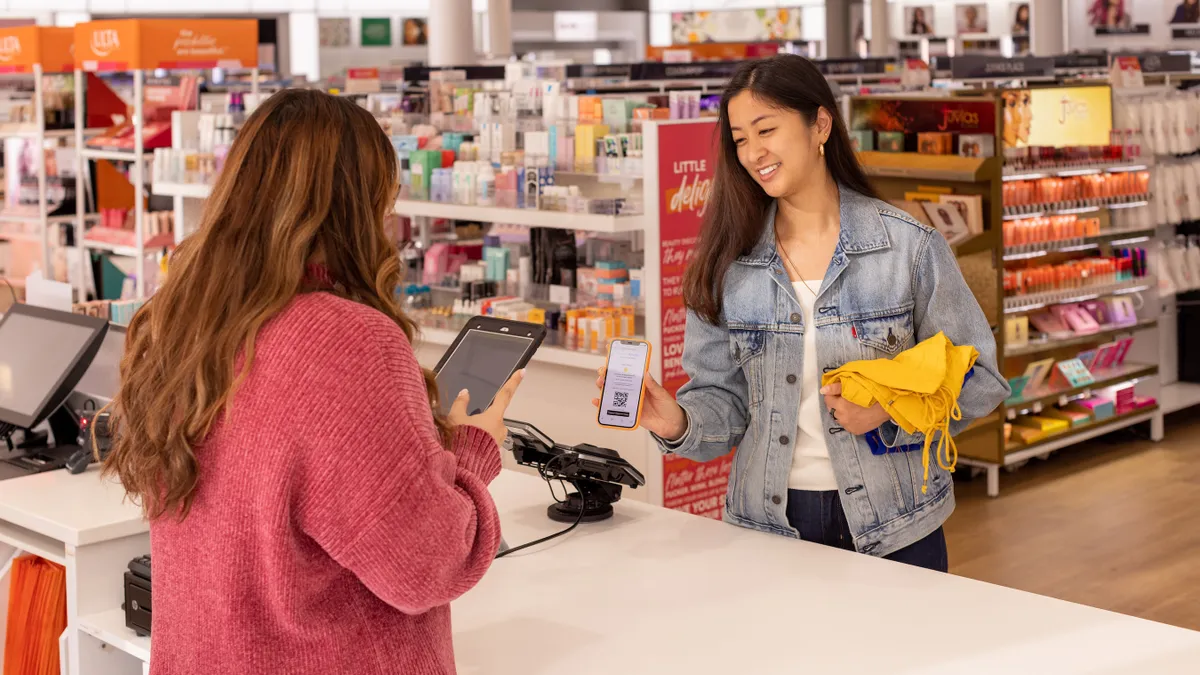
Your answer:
<point x="935" y="143"/>
<point x="863" y="141"/>
<point x="977" y="145"/>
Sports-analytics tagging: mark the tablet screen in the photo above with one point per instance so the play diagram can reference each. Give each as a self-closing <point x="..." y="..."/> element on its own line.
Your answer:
<point x="481" y="363"/>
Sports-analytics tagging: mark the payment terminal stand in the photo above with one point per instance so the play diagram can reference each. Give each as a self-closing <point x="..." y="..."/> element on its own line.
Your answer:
<point x="597" y="474"/>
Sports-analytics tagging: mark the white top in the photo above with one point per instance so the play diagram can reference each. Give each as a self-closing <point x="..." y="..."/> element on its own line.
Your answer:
<point x="811" y="468"/>
<point x="668" y="592"/>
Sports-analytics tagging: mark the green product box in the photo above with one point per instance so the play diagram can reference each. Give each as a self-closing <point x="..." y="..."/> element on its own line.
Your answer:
<point x="862" y="141"/>
<point x="891" y="141"/>
<point x="422" y="163"/>
<point x="617" y="113"/>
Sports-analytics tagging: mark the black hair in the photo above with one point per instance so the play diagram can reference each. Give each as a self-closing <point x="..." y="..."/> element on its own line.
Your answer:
<point x="738" y="206"/>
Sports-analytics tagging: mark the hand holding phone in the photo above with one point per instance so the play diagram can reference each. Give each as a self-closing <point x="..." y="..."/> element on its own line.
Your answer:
<point x="650" y="405"/>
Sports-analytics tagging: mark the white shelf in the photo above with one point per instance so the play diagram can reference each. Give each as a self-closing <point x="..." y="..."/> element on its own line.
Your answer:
<point x="32" y="542"/>
<point x="115" y="249"/>
<point x="1178" y="396"/>
<point x="545" y="354"/>
<point x="1089" y="169"/>
<point x="189" y="190"/>
<point x="1034" y="301"/>
<point x="114" y="155"/>
<point x="109" y="627"/>
<point x="529" y="217"/>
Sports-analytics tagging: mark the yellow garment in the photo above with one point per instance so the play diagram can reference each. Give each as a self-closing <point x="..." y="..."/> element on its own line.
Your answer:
<point x="919" y="388"/>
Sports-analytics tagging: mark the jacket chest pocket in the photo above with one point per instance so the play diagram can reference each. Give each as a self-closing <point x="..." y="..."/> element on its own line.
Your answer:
<point x="747" y="347"/>
<point x="883" y="337"/>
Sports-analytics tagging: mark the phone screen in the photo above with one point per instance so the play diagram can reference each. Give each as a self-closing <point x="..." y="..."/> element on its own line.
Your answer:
<point x="622" y="393"/>
<point x="481" y="363"/>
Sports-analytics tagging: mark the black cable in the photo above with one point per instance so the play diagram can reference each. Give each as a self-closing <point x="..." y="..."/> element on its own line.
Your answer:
<point x="542" y="470"/>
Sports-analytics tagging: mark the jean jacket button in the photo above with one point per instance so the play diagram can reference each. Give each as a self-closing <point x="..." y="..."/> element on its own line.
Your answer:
<point x="784" y="440"/>
<point x="791" y="379"/>
<point x="796" y="318"/>
<point x="776" y="500"/>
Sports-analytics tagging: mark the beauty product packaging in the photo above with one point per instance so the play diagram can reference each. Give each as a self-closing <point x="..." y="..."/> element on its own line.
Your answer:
<point x="862" y="141"/>
<point x="891" y="141"/>
<point x="935" y="143"/>
<point x="977" y="145"/>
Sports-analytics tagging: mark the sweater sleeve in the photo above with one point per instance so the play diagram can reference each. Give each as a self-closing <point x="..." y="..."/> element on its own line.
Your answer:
<point x="413" y="521"/>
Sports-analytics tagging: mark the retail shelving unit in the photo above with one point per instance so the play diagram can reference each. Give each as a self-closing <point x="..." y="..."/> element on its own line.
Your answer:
<point x="983" y="257"/>
<point x="138" y="46"/>
<point x="37" y="51"/>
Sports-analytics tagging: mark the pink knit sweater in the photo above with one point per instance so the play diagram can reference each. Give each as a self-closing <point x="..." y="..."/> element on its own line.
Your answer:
<point x="330" y="530"/>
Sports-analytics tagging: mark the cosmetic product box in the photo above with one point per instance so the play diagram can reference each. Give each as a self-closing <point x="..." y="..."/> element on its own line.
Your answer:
<point x="935" y="143"/>
<point x="1047" y="425"/>
<point x="862" y="141"/>
<point x="1100" y="408"/>
<point x="977" y="145"/>
<point x="891" y="141"/>
<point x="1075" y="418"/>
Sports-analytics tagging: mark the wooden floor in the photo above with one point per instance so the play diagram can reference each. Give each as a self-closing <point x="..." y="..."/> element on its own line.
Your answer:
<point x="1112" y="523"/>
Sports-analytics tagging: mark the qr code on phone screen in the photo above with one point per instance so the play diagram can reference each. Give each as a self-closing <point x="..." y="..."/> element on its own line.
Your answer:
<point x="620" y="398"/>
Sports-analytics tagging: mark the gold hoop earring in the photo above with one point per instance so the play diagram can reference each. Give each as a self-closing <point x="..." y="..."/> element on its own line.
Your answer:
<point x="822" y="149"/>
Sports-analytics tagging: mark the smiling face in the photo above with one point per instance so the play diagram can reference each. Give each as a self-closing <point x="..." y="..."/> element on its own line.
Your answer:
<point x="777" y="146"/>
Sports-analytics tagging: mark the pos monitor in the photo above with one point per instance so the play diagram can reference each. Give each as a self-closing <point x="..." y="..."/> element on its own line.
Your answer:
<point x="43" y="354"/>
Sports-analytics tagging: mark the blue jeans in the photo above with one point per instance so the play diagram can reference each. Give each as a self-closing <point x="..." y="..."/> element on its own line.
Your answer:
<point x="819" y="518"/>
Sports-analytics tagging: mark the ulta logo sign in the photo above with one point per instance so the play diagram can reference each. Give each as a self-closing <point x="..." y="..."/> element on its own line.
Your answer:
<point x="10" y="48"/>
<point x="693" y="197"/>
<point x="105" y="42"/>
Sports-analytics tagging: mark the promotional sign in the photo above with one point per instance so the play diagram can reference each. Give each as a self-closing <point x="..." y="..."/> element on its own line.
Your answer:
<point x="1059" y="117"/>
<point x="741" y="25"/>
<point x="376" y="32"/>
<point x="1115" y="17"/>
<point x="712" y="51"/>
<point x="920" y="116"/>
<point x="147" y="44"/>
<point x="686" y="166"/>
<point x="22" y="47"/>
<point x="992" y="67"/>
<point x="1166" y="62"/>
<point x="1184" y="19"/>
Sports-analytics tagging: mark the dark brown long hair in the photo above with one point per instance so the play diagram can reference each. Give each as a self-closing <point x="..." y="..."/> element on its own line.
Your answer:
<point x="738" y="205"/>
<point x="309" y="175"/>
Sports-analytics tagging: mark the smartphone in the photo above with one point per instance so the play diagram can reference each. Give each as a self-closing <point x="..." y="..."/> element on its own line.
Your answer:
<point x="624" y="384"/>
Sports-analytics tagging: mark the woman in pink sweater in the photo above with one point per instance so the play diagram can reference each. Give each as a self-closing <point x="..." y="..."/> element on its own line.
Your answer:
<point x="310" y="511"/>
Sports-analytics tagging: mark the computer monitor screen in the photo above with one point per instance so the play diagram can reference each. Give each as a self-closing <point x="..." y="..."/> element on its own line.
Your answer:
<point x="43" y="354"/>
<point x="103" y="377"/>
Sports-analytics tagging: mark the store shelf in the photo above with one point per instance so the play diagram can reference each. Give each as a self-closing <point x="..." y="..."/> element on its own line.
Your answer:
<point x="113" y="155"/>
<point x="189" y="190"/>
<point x="30" y="541"/>
<point x="622" y="179"/>
<point x="1117" y="238"/>
<point x="31" y="131"/>
<point x="545" y="354"/>
<point x="1064" y="171"/>
<point x="1018" y="304"/>
<point x="1179" y="396"/>
<point x="109" y="627"/>
<point x="151" y="245"/>
<point x="928" y="167"/>
<point x="1075" y="207"/>
<point x="1017" y="452"/>
<point x="529" y="217"/>
<point x="1044" y="396"/>
<point x="1105" y="335"/>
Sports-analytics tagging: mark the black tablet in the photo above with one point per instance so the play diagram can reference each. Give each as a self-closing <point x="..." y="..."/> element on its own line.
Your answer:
<point x="484" y="355"/>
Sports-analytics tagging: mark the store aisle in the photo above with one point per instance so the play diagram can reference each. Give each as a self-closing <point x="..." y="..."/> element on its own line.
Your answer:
<point x="1110" y="523"/>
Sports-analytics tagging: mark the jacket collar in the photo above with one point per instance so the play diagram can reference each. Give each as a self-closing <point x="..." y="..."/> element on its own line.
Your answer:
<point x="862" y="229"/>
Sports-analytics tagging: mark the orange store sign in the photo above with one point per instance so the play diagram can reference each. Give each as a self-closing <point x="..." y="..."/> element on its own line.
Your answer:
<point x="23" y="47"/>
<point x="144" y="44"/>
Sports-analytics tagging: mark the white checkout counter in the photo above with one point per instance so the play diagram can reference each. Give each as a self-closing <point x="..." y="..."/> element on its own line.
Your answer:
<point x="649" y="591"/>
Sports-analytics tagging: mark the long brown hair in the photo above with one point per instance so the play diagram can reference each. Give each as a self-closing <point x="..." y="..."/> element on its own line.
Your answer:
<point x="738" y="207"/>
<point x="308" y="175"/>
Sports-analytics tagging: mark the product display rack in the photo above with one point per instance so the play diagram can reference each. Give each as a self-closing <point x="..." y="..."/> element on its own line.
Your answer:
<point x="40" y="51"/>
<point x="152" y="44"/>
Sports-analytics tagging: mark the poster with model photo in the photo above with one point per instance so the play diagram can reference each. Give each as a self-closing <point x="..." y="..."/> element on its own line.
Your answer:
<point x="1019" y="11"/>
<point x="1185" y="11"/>
<point x="1114" y="17"/>
<point x="413" y="31"/>
<point x="971" y="19"/>
<point x="918" y="20"/>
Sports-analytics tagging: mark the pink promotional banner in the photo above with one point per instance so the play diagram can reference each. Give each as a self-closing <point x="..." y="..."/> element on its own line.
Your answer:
<point x="686" y="168"/>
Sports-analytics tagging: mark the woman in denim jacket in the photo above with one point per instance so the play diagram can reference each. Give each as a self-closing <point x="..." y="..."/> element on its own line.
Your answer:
<point x="801" y="268"/>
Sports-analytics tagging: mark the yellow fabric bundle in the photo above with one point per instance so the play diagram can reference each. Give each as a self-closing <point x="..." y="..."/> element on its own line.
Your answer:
<point x="919" y="388"/>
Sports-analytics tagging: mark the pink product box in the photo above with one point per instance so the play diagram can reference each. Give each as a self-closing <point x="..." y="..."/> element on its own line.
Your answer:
<point x="1077" y="318"/>
<point x="1101" y="408"/>
<point x="1141" y="402"/>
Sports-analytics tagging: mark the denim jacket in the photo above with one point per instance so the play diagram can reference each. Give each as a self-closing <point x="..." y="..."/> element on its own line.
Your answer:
<point x="892" y="282"/>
